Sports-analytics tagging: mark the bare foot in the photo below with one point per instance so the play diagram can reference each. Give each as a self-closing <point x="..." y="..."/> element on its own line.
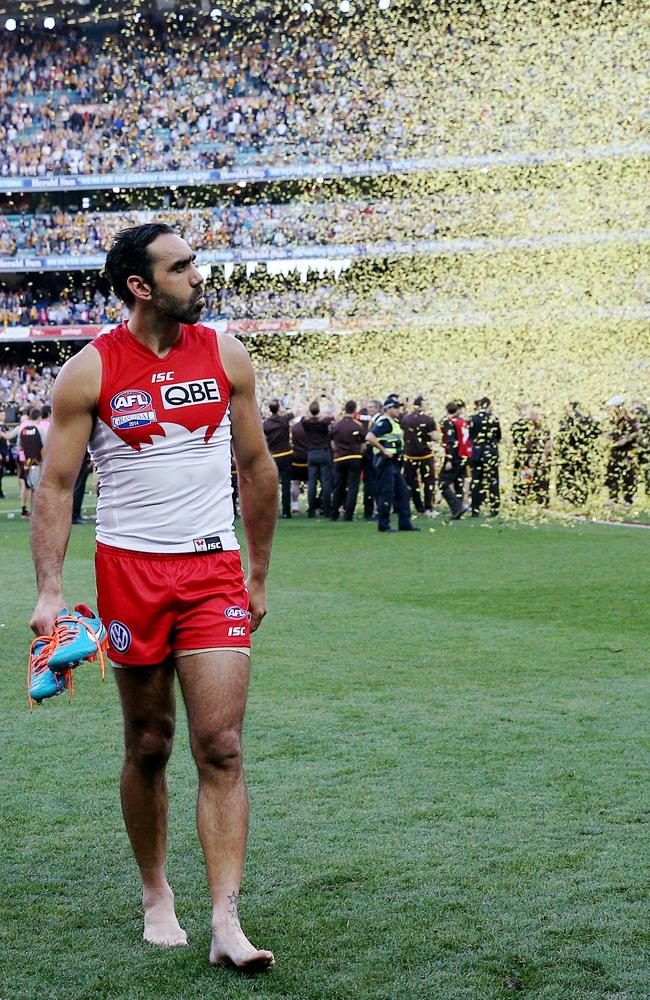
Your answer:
<point x="160" y="924"/>
<point x="230" y="946"/>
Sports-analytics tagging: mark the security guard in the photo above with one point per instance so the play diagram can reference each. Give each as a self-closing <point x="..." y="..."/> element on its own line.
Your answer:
<point x="387" y="437"/>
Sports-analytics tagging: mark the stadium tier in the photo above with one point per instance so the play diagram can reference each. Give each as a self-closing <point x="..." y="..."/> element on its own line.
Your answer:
<point x="439" y="179"/>
<point x="254" y="96"/>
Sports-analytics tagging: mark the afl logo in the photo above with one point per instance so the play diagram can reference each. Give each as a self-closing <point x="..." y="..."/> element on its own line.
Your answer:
<point x="132" y="408"/>
<point x="235" y="613"/>
<point x="120" y="636"/>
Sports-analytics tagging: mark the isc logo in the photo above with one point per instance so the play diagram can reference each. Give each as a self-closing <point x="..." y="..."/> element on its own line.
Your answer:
<point x="190" y="393"/>
<point x="237" y="630"/>
<point x="162" y="377"/>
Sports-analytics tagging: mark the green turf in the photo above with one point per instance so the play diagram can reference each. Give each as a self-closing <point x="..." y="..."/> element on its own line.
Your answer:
<point x="447" y="753"/>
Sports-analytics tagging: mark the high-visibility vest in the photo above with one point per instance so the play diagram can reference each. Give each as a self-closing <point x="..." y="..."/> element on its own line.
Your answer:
<point x="393" y="441"/>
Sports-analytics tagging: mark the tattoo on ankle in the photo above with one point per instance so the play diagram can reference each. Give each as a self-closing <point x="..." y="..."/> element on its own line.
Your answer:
<point x="233" y="916"/>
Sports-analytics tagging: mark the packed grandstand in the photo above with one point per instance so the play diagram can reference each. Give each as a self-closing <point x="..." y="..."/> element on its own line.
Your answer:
<point x="473" y="218"/>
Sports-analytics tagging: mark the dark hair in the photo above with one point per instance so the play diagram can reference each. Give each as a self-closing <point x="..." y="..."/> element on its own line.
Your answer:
<point x="314" y="407"/>
<point x="34" y="413"/>
<point x="484" y="402"/>
<point x="418" y="401"/>
<point x="129" y="255"/>
<point x="45" y="412"/>
<point x="351" y="406"/>
<point x="274" y="405"/>
<point x="452" y="408"/>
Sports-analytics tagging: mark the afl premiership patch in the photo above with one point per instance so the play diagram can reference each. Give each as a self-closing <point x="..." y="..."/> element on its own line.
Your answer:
<point x="131" y="408"/>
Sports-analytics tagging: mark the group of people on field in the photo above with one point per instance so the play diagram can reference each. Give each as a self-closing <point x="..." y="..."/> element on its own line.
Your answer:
<point x="456" y="458"/>
<point x="392" y="448"/>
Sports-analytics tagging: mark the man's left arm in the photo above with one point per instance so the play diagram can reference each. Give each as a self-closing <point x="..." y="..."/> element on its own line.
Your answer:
<point x="256" y="470"/>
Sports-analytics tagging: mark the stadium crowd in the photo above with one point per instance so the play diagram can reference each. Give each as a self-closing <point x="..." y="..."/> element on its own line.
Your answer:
<point x="239" y="226"/>
<point x="511" y="212"/>
<point x="455" y="455"/>
<point x="104" y="103"/>
<point x="90" y="303"/>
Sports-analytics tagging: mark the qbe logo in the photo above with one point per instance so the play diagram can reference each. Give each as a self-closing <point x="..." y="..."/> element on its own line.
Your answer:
<point x="190" y="393"/>
<point x="236" y="613"/>
<point x="120" y="636"/>
<point x="131" y="408"/>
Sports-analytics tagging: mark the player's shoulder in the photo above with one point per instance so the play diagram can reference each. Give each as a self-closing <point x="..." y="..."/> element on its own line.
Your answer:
<point x="79" y="381"/>
<point x="86" y="362"/>
<point x="235" y="360"/>
<point x="109" y="340"/>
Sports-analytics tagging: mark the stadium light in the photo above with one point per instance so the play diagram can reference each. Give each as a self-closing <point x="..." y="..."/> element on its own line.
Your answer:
<point x="10" y="24"/>
<point x="49" y="23"/>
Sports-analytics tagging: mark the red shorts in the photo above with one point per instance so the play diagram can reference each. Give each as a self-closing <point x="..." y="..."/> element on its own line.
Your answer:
<point x="154" y="604"/>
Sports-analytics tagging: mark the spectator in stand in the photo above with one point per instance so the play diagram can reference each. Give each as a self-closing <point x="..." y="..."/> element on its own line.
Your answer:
<point x="278" y="439"/>
<point x="485" y="435"/>
<point x="319" y="457"/>
<point x="420" y="432"/>
<point x="452" y="474"/>
<point x="347" y="436"/>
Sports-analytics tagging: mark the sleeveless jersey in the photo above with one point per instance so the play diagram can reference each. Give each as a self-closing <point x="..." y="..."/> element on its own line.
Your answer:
<point x="161" y="445"/>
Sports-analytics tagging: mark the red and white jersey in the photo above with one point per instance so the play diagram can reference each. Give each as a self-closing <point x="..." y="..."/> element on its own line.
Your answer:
<point x="161" y="445"/>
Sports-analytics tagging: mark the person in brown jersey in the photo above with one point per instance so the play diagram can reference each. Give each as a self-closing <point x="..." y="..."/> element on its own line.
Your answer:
<point x="319" y="458"/>
<point x="278" y="439"/>
<point x="420" y="431"/>
<point x="299" y="464"/>
<point x="347" y="436"/>
<point x="367" y="415"/>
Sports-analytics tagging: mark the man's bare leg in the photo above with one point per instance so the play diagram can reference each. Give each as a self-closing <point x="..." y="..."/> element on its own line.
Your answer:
<point x="148" y="704"/>
<point x="215" y="685"/>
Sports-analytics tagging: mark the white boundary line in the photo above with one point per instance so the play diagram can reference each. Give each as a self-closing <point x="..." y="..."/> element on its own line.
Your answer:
<point x="616" y="524"/>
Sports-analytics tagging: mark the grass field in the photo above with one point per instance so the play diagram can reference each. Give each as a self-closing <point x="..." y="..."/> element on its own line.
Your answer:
<point x="447" y="753"/>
